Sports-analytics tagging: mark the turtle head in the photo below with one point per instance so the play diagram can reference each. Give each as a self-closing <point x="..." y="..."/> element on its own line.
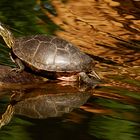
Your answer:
<point x="6" y="35"/>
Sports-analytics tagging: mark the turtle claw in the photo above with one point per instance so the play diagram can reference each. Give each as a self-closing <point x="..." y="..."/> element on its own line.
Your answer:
<point x="94" y="74"/>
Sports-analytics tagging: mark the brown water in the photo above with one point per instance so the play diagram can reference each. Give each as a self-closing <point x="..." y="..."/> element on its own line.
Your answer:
<point x="109" y="31"/>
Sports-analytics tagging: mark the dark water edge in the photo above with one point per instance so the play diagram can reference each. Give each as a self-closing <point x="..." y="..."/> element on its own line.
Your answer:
<point x="112" y="112"/>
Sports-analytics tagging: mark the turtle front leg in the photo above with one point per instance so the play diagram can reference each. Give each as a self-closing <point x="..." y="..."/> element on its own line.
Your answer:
<point x="83" y="77"/>
<point x="20" y="65"/>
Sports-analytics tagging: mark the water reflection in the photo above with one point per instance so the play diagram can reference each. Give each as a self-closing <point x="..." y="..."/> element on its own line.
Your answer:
<point x="52" y="101"/>
<point x="40" y="99"/>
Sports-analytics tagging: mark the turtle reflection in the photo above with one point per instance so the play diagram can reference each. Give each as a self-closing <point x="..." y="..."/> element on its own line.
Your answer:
<point x="54" y="100"/>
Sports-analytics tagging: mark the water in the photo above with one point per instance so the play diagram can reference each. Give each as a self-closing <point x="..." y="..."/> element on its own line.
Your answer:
<point x="109" y="32"/>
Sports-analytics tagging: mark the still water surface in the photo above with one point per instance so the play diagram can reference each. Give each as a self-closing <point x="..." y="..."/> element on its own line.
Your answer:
<point x="112" y="110"/>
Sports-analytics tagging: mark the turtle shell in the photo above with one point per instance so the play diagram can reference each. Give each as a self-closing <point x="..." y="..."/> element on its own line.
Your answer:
<point x="50" y="53"/>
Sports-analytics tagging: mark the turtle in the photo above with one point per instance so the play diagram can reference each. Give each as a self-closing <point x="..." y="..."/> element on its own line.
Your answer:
<point x="51" y="56"/>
